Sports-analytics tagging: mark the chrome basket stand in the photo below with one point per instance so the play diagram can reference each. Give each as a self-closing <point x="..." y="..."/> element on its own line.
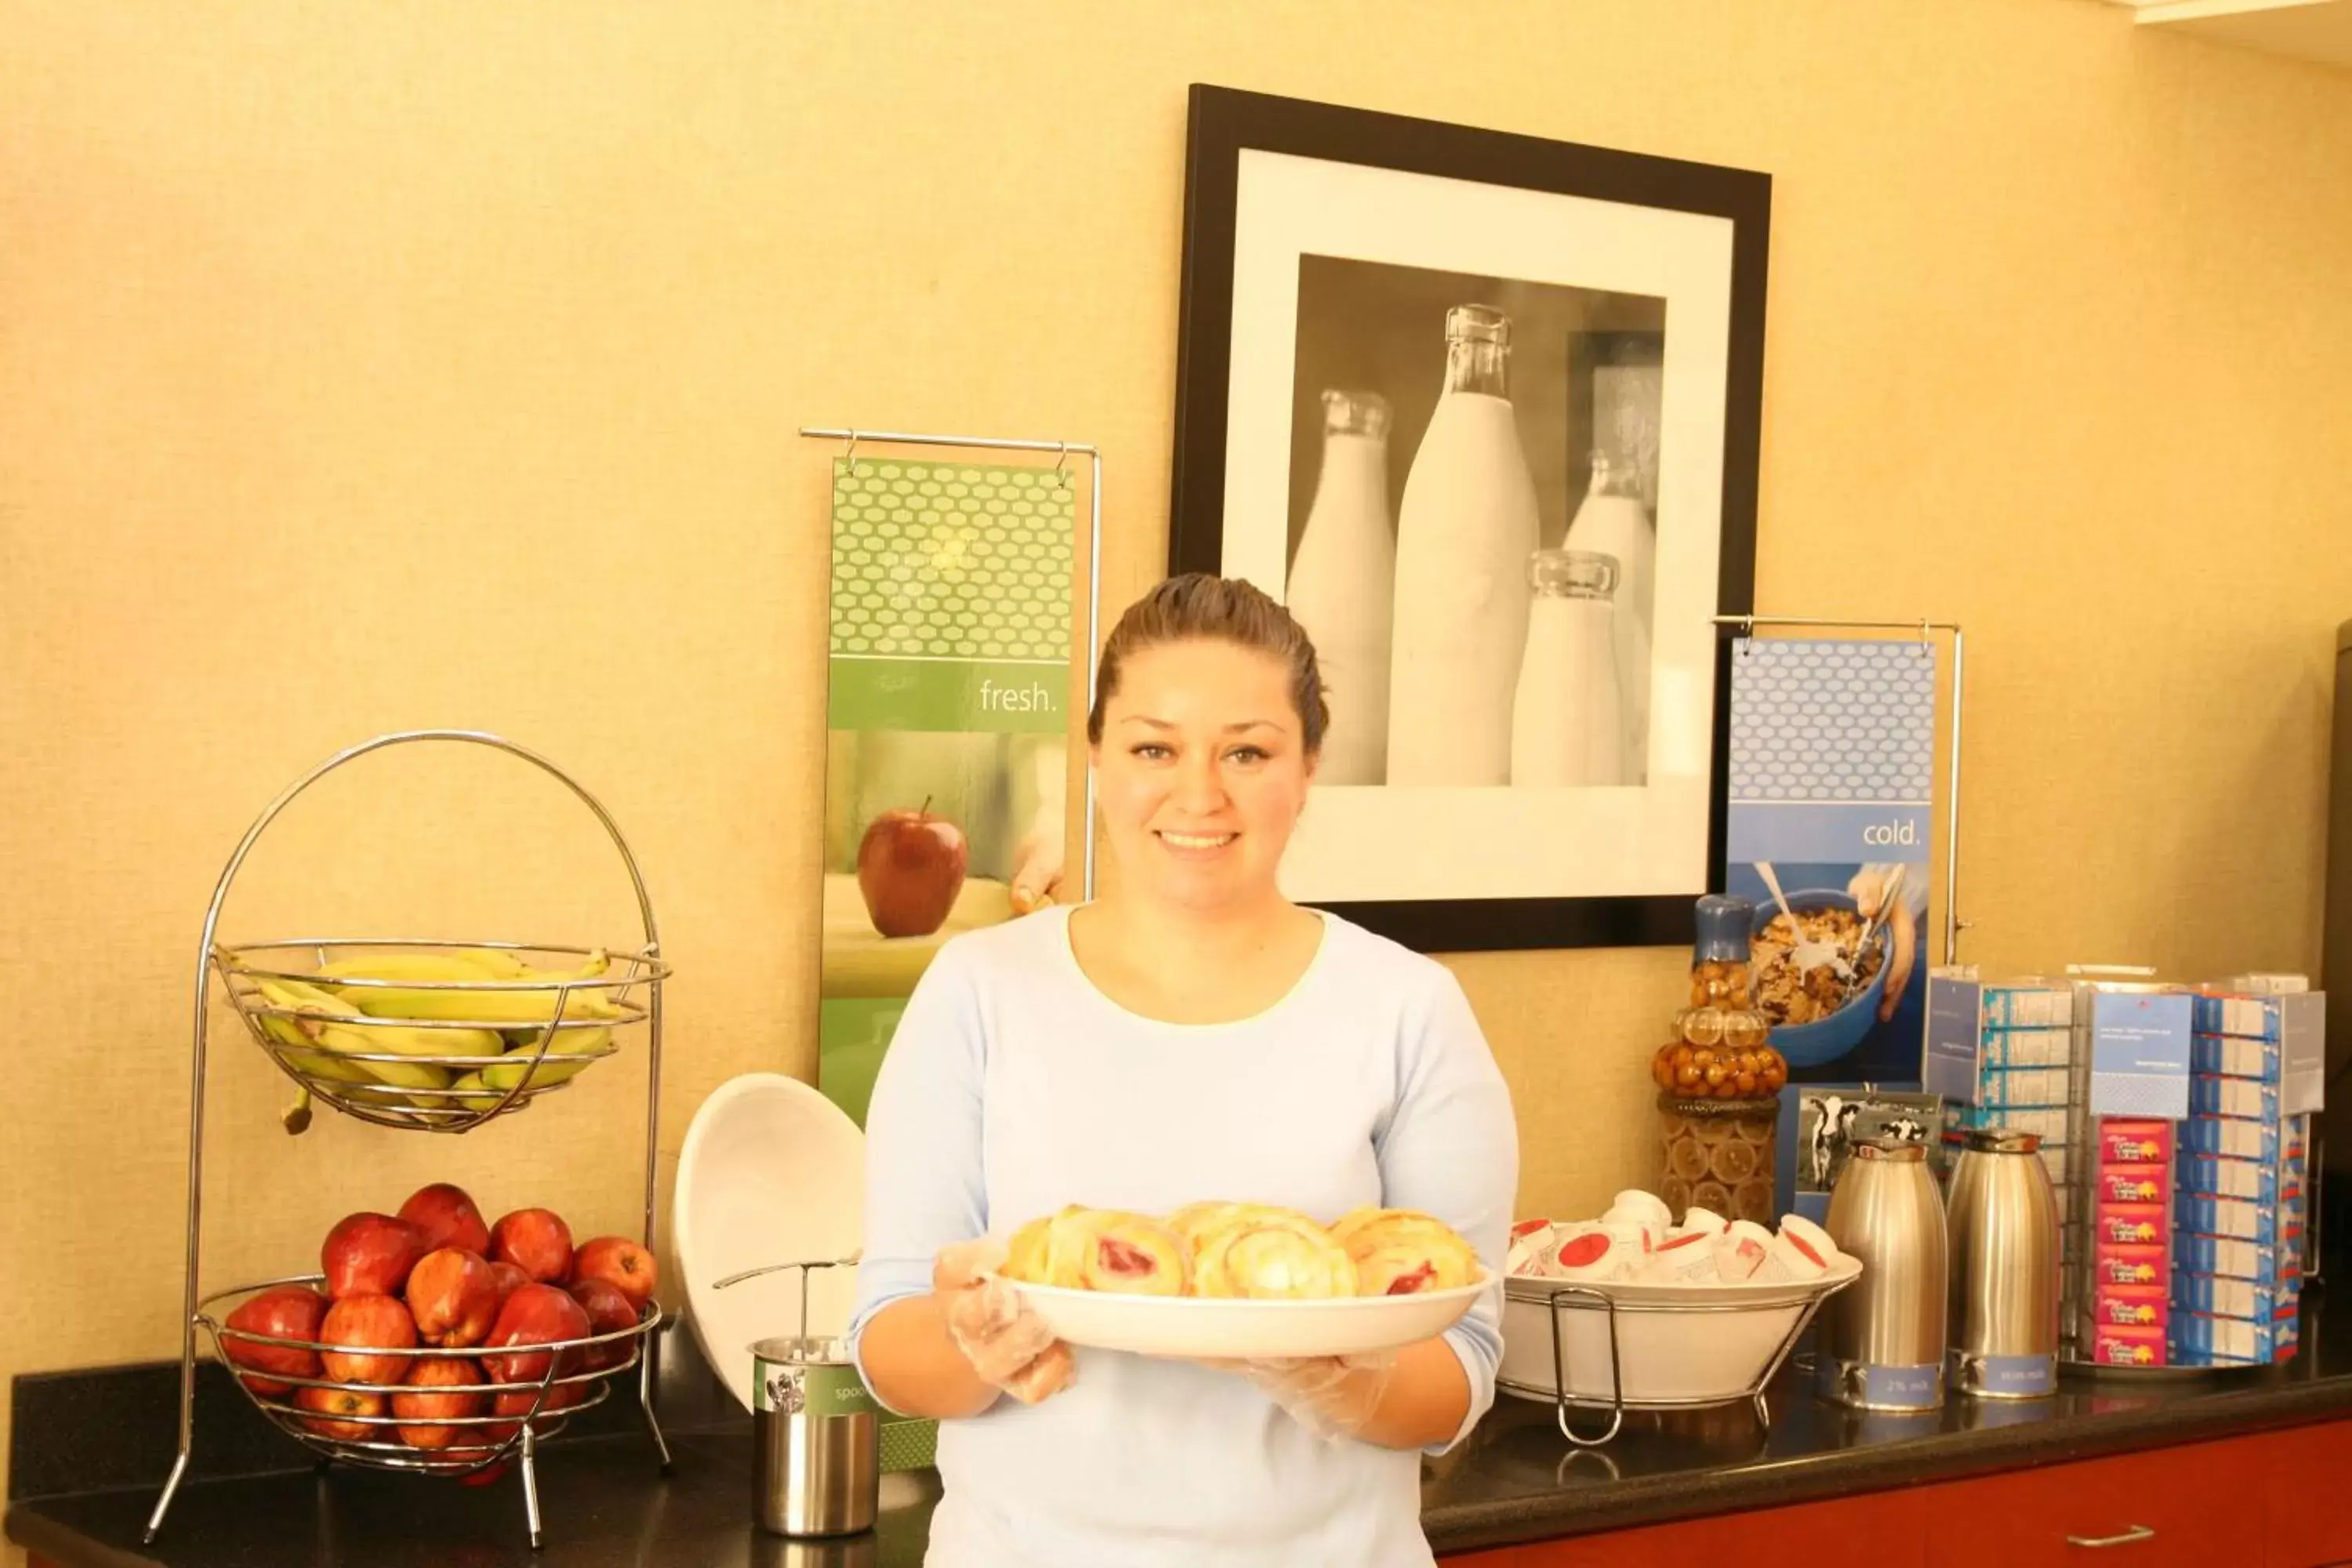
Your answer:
<point x="442" y="1111"/>
<point x="1584" y="1298"/>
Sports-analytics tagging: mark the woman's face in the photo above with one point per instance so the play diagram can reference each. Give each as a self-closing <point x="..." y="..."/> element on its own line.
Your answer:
<point x="1201" y="773"/>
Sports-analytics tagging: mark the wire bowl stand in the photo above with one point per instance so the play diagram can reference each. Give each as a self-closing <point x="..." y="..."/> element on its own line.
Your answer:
<point x="535" y="1030"/>
<point x="1585" y="1298"/>
<point x="577" y="1374"/>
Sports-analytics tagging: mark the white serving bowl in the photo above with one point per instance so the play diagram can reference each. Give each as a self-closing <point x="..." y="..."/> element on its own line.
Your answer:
<point x="1665" y="1358"/>
<point x="1220" y="1328"/>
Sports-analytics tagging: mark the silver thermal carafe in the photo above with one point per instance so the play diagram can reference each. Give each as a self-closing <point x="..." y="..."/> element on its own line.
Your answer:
<point x="1883" y="1345"/>
<point x="2003" y="1219"/>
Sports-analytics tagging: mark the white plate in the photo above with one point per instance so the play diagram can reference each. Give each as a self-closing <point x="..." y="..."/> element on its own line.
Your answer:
<point x="1223" y="1327"/>
<point x="770" y="1172"/>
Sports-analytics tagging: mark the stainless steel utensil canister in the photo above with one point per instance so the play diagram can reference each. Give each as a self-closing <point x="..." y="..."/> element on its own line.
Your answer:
<point x="816" y="1464"/>
<point x="2004" y="1310"/>
<point x="817" y="1456"/>
<point x="1885" y="1341"/>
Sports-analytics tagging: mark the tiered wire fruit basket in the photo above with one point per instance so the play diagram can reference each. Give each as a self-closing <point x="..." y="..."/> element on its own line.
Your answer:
<point x="442" y="1052"/>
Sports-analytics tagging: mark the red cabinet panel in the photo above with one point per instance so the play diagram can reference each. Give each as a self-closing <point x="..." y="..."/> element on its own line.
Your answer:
<point x="2273" y="1499"/>
<point x="1882" y="1527"/>
<point x="2199" y="1505"/>
<point x="2307" y="1495"/>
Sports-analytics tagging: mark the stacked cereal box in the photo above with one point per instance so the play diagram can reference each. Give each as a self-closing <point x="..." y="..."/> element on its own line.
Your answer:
<point x="2001" y="1052"/>
<point x="2129" y="1302"/>
<point x="2237" y="1248"/>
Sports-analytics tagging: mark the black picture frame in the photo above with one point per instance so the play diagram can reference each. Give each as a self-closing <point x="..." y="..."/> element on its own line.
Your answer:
<point x="1223" y="123"/>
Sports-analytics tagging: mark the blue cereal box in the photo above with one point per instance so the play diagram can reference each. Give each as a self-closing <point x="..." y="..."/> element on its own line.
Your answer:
<point x="2232" y="1259"/>
<point x="2215" y="1176"/>
<point x="2236" y="1138"/>
<point x="2218" y="1296"/>
<point x="2246" y="1018"/>
<point x="2013" y="1089"/>
<point x="2028" y="1006"/>
<point x="2196" y="1339"/>
<point x="2012" y="1048"/>
<point x="2271" y="1225"/>
<point x="2217" y="1056"/>
<point x="2234" y="1096"/>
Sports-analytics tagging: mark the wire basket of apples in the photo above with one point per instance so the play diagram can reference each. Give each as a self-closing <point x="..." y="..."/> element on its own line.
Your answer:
<point x="439" y="1036"/>
<point x="433" y="1341"/>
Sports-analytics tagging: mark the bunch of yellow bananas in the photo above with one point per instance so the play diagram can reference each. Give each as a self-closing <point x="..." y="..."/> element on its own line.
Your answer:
<point x="329" y="1022"/>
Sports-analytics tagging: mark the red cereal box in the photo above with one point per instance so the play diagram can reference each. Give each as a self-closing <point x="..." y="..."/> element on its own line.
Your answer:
<point x="2112" y="1265"/>
<point x="2131" y="1306"/>
<point x="2128" y="1347"/>
<point x="2134" y="1143"/>
<point x="2133" y="1184"/>
<point x="2133" y="1225"/>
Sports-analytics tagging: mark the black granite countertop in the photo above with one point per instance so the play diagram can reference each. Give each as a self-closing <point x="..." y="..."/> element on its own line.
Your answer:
<point x="1516" y="1479"/>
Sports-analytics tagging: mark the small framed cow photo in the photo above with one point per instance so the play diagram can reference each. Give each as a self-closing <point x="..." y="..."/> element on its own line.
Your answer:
<point x="1820" y="1124"/>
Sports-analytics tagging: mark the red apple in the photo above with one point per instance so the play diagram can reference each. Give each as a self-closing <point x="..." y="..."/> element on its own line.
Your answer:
<point x="508" y="1276"/>
<point x="342" y="1402"/>
<point x="454" y="1297"/>
<point x="620" y="1263"/>
<point x="287" y="1312"/>
<point x="536" y="1241"/>
<point x="560" y="1396"/>
<point x="447" y="1217"/>
<point x="439" y="1372"/>
<point x="370" y="1254"/>
<point x="534" y="1315"/>
<point x="365" y="1323"/>
<point x="609" y="1311"/>
<point x="488" y="1478"/>
<point x="910" y="867"/>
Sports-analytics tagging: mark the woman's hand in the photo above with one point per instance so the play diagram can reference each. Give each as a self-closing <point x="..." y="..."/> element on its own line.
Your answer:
<point x="1006" y="1342"/>
<point x="1332" y="1396"/>
<point x="1397" y="1399"/>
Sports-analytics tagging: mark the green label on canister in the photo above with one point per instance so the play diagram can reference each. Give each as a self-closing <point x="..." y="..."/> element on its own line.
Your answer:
<point x="808" y="1387"/>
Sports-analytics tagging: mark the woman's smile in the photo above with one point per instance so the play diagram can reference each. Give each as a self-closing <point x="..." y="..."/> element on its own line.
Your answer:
<point x="1195" y="846"/>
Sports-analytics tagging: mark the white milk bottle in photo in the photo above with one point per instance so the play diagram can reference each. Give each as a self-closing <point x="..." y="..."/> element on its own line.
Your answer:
<point x="1567" y="723"/>
<point x="1613" y="522"/>
<point x="1464" y="531"/>
<point x="1342" y="583"/>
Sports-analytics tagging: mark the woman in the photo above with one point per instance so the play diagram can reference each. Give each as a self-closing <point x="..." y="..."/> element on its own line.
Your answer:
<point x="1189" y="1035"/>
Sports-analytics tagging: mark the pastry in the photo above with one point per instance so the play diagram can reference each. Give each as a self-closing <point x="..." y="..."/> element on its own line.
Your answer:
<point x="1228" y="1249"/>
<point x="1263" y="1252"/>
<point x="1402" y="1252"/>
<point x="1081" y="1248"/>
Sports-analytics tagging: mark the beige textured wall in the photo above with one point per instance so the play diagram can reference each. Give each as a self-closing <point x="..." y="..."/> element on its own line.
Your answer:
<point x="367" y="366"/>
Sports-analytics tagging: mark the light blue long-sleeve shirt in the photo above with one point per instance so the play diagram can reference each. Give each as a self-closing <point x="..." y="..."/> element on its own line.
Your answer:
<point x="1014" y="1086"/>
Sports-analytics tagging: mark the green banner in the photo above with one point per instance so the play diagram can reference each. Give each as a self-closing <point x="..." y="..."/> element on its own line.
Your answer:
<point x="949" y="694"/>
<point x="955" y="593"/>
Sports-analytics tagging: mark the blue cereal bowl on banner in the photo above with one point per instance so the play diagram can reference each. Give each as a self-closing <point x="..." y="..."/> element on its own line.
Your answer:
<point x="1826" y="1039"/>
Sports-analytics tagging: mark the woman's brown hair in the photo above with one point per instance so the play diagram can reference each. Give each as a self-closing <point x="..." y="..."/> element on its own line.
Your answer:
<point x="1201" y="605"/>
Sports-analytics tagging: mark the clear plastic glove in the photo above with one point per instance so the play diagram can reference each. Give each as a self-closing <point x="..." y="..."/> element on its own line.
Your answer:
<point x="1331" y="1396"/>
<point x="1007" y="1343"/>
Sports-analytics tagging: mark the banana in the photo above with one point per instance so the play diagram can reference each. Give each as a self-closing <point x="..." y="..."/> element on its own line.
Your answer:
<point x="569" y="1043"/>
<point x="303" y="1031"/>
<point x="496" y="963"/>
<point x="500" y="1008"/>
<point x="410" y="964"/>
<point x="408" y="1041"/>
<point x="482" y="1101"/>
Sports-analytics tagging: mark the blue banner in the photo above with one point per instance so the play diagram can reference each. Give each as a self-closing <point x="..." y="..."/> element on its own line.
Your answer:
<point x="1830" y="811"/>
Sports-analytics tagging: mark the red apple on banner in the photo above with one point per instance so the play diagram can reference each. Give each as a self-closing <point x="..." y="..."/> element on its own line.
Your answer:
<point x="910" y="867"/>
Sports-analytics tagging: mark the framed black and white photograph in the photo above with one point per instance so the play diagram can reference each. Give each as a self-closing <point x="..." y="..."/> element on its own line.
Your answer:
<point x="1483" y="410"/>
